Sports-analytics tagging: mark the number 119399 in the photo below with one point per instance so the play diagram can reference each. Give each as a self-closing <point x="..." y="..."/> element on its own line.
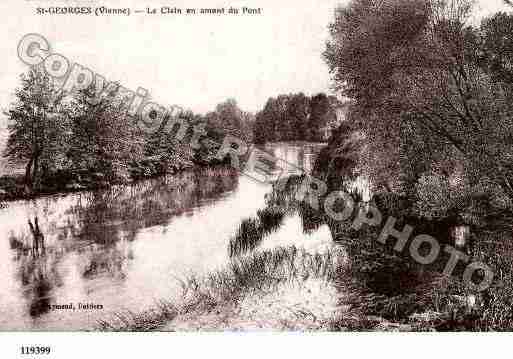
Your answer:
<point x="35" y="350"/>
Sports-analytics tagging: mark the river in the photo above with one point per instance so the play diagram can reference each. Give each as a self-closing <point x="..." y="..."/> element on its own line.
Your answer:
<point x="127" y="247"/>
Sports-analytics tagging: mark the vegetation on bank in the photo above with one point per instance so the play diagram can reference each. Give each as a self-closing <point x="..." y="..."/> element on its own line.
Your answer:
<point x="433" y="108"/>
<point x="77" y="141"/>
<point x="297" y="117"/>
<point x="256" y="274"/>
<point x="252" y="231"/>
<point x="429" y="126"/>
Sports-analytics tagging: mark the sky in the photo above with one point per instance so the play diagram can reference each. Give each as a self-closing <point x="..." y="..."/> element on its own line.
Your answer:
<point x="192" y="61"/>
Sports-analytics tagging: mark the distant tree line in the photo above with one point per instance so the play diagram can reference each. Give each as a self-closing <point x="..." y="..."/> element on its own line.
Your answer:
<point x="295" y="117"/>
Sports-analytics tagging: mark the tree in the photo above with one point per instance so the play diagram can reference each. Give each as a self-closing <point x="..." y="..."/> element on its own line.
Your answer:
<point x="337" y="162"/>
<point x="320" y="111"/>
<point x="293" y="117"/>
<point x="229" y="118"/>
<point x="297" y="115"/>
<point x="496" y="45"/>
<point x="260" y="128"/>
<point x="104" y="140"/>
<point x="411" y="67"/>
<point x="266" y="128"/>
<point x="37" y="128"/>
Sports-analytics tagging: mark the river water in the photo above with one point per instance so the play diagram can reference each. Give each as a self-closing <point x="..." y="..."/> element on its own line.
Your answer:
<point x="128" y="247"/>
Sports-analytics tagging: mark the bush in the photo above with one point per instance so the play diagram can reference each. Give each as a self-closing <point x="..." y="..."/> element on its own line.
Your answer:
<point x="433" y="194"/>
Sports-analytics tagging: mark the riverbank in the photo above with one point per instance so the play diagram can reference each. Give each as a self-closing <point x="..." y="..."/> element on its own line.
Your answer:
<point x="274" y="290"/>
<point x="287" y="289"/>
<point x="12" y="187"/>
<point x="394" y="292"/>
<point x="127" y="243"/>
<point x="278" y="289"/>
<point x="283" y="289"/>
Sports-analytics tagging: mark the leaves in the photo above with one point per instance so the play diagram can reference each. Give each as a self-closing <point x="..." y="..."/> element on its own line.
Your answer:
<point x="296" y="117"/>
<point x="431" y="94"/>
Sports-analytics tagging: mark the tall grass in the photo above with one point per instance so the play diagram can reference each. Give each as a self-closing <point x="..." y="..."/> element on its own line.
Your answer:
<point x="394" y="288"/>
<point x="262" y="271"/>
<point x="252" y="231"/>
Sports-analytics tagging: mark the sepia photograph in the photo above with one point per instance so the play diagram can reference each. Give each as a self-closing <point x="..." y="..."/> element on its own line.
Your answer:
<point x="329" y="166"/>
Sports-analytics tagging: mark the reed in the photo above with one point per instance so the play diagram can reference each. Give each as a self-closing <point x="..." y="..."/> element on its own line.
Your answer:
<point x="252" y="231"/>
<point x="262" y="271"/>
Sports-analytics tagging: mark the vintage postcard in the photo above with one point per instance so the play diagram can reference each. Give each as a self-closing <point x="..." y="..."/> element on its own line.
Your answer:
<point x="256" y="166"/>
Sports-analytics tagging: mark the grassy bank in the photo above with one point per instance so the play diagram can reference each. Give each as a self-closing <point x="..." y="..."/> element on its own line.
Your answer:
<point x="288" y="289"/>
<point x="280" y="289"/>
<point x="389" y="291"/>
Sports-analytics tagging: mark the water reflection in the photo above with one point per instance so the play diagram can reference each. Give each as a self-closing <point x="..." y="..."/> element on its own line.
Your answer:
<point x="93" y="233"/>
<point x="281" y="203"/>
<point x="125" y="246"/>
<point x="294" y="158"/>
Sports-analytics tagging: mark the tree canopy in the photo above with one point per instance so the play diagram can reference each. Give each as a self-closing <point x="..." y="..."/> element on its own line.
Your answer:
<point x="430" y="92"/>
<point x="296" y="117"/>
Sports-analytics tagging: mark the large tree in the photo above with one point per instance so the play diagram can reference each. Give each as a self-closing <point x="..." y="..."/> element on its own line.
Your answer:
<point x="293" y="117"/>
<point x="104" y="138"/>
<point x="412" y="69"/>
<point x="298" y="115"/>
<point x="229" y="118"/>
<point x="37" y="127"/>
<point x="321" y="113"/>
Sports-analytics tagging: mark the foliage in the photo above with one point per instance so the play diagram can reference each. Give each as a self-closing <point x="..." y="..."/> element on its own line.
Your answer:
<point x="433" y="197"/>
<point x="103" y="138"/>
<point x="431" y="96"/>
<point x="430" y="92"/>
<point x="296" y="117"/>
<point x="336" y="163"/>
<point x="230" y="119"/>
<point x="38" y="128"/>
<point x="77" y="141"/>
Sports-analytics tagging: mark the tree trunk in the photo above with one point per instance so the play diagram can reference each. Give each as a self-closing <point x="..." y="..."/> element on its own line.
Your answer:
<point x="31" y="173"/>
<point x="28" y="177"/>
<point x="35" y="174"/>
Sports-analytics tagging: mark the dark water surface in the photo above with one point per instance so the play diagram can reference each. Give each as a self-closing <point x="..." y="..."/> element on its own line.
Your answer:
<point x="127" y="247"/>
